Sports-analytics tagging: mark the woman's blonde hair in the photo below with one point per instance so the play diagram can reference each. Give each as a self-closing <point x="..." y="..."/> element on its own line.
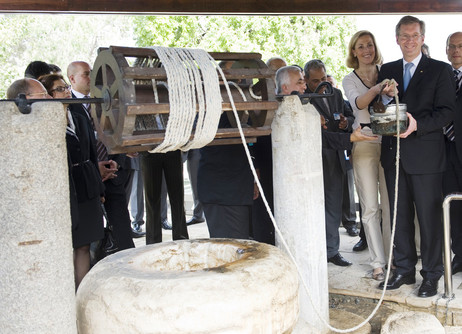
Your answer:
<point x="352" y="61"/>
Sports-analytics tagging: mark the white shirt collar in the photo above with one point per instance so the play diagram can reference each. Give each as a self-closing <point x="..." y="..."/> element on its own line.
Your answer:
<point x="78" y="94"/>
<point x="415" y="61"/>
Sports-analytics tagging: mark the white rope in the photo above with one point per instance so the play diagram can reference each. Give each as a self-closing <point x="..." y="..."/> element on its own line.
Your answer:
<point x="193" y="83"/>
<point x="252" y="94"/>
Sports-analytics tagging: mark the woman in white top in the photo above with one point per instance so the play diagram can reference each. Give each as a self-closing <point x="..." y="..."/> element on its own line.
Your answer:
<point x="361" y="89"/>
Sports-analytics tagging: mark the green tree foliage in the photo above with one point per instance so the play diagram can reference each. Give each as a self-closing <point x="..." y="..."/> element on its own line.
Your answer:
<point x="60" y="39"/>
<point x="294" y="38"/>
<point x="57" y="39"/>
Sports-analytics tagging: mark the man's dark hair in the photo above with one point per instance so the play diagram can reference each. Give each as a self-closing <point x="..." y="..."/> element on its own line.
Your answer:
<point x="313" y="65"/>
<point x="20" y="86"/>
<point x="36" y="69"/>
<point x="54" y="68"/>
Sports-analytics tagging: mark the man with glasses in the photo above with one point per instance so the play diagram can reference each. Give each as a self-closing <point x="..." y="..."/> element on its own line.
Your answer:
<point x="427" y="87"/>
<point x="32" y="88"/>
<point x="452" y="178"/>
<point x="339" y="119"/>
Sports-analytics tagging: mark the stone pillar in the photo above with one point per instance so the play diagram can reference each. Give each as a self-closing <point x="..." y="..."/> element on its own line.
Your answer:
<point x="37" y="293"/>
<point x="299" y="203"/>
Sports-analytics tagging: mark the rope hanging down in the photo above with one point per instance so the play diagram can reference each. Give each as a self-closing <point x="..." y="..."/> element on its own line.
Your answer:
<point x="193" y="84"/>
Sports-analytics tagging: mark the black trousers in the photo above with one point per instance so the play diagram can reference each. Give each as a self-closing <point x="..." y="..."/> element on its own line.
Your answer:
<point x="333" y="196"/>
<point x="228" y="221"/>
<point x="117" y="209"/>
<point x="425" y="191"/>
<point x="152" y="166"/>
<point x="452" y="182"/>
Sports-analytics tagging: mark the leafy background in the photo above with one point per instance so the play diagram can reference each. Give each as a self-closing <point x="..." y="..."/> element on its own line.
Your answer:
<point x="60" y="39"/>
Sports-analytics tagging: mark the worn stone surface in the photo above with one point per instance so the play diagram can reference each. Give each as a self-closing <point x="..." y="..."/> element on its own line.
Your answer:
<point x="191" y="286"/>
<point x="299" y="201"/>
<point x="412" y="323"/>
<point x="36" y="270"/>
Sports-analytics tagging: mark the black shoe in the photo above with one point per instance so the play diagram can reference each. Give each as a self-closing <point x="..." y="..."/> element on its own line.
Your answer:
<point x="193" y="221"/>
<point x="137" y="232"/>
<point x="352" y="231"/>
<point x="456" y="267"/>
<point x="339" y="260"/>
<point x="166" y="225"/>
<point x="397" y="280"/>
<point x="360" y="245"/>
<point x="428" y="288"/>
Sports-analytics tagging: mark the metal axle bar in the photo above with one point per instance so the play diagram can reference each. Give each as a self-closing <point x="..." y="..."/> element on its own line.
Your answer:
<point x="24" y="107"/>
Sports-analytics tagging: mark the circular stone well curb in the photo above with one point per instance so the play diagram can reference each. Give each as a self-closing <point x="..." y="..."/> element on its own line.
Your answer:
<point x="191" y="286"/>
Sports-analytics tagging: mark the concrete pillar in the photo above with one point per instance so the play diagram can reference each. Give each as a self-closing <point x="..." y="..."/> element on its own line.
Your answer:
<point x="299" y="203"/>
<point x="36" y="269"/>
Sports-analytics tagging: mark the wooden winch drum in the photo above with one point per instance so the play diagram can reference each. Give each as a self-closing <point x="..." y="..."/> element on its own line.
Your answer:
<point x="130" y="80"/>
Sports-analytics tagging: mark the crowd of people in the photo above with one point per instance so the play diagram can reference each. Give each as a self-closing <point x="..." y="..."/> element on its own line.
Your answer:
<point x="224" y="192"/>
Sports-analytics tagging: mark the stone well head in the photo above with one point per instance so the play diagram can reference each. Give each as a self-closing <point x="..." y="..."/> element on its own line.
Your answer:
<point x="191" y="286"/>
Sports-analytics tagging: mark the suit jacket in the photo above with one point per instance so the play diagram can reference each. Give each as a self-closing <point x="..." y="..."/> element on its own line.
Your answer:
<point x="224" y="176"/>
<point x="331" y="153"/>
<point x="113" y="185"/>
<point x="430" y="100"/>
<point x="458" y="125"/>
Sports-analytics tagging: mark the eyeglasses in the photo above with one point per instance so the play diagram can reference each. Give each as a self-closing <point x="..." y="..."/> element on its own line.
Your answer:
<point x="61" y="89"/>
<point x="43" y="95"/>
<point x="452" y="47"/>
<point x="406" y="37"/>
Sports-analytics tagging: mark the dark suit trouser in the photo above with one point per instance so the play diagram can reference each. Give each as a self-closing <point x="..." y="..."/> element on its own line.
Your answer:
<point x="117" y="209"/>
<point x="193" y="156"/>
<point x="425" y="190"/>
<point x="333" y="195"/>
<point x="228" y="221"/>
<point x="452" y="182"/>
<point x="152" y="166"/>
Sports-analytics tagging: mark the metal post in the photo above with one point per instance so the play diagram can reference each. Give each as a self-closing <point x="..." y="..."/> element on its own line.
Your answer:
<point x="447" y="244"/>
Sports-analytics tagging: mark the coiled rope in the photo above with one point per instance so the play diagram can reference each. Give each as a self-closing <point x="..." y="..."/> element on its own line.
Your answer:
<point x="193" y="91"/>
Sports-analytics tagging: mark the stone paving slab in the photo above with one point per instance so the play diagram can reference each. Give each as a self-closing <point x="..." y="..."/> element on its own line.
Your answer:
<point x="354" y="281"/>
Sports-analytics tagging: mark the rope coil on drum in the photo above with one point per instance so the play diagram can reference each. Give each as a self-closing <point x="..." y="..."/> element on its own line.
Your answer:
<point x="193" y="81"/>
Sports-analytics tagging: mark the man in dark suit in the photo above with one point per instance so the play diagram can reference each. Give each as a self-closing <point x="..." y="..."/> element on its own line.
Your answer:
<point x="427" y="87"/>
<point x="339" y="118"/>
<point x="452" y="178"/>
<point x="114" y="168"/>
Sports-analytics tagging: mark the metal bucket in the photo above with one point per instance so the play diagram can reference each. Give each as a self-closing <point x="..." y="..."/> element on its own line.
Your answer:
<point x="385" y="124"/>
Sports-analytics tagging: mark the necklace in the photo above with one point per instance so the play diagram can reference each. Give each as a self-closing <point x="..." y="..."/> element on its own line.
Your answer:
<point x="367" y="77"/>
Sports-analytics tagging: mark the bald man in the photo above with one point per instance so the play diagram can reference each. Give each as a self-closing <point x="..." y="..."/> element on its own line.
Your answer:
<point x="32" y="88"/>
<point x="275" y="63"/>
<point x="114" y="169"/>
